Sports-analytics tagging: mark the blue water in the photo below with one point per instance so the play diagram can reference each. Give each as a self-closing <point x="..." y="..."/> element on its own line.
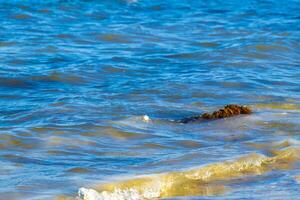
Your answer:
<point x="76" y="77"/>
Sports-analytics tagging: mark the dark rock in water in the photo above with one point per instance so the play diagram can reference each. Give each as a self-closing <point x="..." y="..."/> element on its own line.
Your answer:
<point x="227" y="111"/>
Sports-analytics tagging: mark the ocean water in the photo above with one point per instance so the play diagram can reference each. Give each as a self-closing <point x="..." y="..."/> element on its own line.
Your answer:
<point x="77" y="78"/>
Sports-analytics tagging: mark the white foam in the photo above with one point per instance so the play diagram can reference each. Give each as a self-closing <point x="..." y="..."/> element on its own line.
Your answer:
<point x="146" y="118"/>
<point x="128" y="194"/>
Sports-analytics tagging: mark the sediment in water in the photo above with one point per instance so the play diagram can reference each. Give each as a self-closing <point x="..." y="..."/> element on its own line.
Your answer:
<point x="201" y="181"/>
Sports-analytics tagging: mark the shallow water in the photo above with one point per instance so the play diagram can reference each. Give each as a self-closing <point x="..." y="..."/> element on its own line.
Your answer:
<point x="76" y="78"/>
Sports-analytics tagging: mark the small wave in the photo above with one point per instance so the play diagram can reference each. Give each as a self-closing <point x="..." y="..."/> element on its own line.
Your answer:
<point x="279" y="106"/>
<point x="127" y="194"/>
<point x="298" y="178"/>
<point x="59" y="77"/>
<point x="196" y="182"/>
<point x="14" y="82"/>
<point x="140" y="122"/>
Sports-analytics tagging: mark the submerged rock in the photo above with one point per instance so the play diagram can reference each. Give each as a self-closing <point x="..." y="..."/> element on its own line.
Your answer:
<point x="228" y="111"/>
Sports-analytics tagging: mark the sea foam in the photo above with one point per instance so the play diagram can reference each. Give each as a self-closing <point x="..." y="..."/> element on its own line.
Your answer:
<point x="201" y="181"/>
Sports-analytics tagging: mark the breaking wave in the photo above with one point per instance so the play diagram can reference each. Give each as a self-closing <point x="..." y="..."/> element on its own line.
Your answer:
<point x="202" y="181"/>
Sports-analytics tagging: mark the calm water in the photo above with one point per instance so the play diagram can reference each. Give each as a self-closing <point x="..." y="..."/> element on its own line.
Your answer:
<point x="76" y="77"/>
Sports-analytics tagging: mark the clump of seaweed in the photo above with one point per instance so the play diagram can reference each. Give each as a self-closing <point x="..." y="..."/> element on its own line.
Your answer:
<point x="228" y="111"/>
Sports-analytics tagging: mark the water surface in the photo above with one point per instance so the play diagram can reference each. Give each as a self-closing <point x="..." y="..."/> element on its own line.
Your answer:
<point x="76" y="77"/>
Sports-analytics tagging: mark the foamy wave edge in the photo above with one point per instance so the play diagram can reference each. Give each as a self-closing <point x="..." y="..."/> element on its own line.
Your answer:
<point x="127" y="194"/>
<point x="169" y="184"/>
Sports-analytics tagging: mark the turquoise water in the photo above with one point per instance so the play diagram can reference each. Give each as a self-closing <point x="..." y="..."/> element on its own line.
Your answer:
<point x="76" y="78"/>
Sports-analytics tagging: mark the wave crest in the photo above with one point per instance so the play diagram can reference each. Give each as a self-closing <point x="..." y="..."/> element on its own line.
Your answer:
<point x="202" y="181"/>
